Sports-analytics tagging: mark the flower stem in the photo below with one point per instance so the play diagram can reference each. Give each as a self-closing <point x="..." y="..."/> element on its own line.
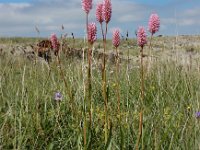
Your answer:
<point x="128" y="78"/>
<point x="69" y="91"/>
<point x="117" y="81"/>
<point x="85" y="119"/>
<point x="104" y="85"/>
<point x="102" y="31"/>
<point x="90" y="84"/>
<point x="150" y="45"/>
<point x="142" y="99"/>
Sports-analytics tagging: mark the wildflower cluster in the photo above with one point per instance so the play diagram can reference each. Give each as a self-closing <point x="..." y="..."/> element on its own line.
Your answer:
<point x="99" y="13"/>
<point x="116" y="38"/>
<point x="154" y="23"/>
<point x="92" y="33"/>
<point x="54" y="41"/>
<point x="141" y="37"/>
<point x="87" y="5"/>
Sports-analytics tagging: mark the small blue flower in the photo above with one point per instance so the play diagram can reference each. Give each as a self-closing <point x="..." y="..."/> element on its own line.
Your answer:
<point x="58" y="96"/>
<point x="198" y="115"/>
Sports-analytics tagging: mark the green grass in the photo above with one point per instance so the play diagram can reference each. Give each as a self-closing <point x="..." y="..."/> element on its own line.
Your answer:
<point x="31" y="119"/>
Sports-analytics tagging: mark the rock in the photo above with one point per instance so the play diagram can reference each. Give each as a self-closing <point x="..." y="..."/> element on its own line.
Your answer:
<point x="29" y="49"/>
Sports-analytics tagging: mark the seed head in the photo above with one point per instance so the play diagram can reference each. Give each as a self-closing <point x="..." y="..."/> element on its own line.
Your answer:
<point x="92" y="32"/>
<point x="116" y="38"/>
<point x="99" y="13"/>
<point x="154" y="23"/>
<point x="107" y="10"/>
<point x="141" y="37"/>
<point x="86" y="5"/>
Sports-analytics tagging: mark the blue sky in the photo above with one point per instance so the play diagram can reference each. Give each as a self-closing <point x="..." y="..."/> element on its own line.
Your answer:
<point x="154" y="2"/>
<point x="19" y="17"/>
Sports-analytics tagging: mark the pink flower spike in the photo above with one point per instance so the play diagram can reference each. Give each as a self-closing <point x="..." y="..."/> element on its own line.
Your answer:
<point x="107" y="10"/>
<point x="99" y="13"/>
<point x="86" y="5"/>
<point x="154" y="23"/>
<point x="92" y="32"/>
<point x="54" y="41"/>
<point x="141" y="37"/>
<point x="116" y="38"/>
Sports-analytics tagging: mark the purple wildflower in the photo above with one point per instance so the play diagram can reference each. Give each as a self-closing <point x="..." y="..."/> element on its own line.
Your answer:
<point x="58" y="96"/>
<point x="198" y="115"/>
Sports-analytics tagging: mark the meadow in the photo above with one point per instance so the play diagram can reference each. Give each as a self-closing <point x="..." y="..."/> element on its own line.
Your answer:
<point x="88" y="93"/>
<point x="30" y="117"/>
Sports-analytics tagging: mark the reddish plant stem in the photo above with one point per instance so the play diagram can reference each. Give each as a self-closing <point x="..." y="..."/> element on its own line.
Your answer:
<point x="90" y="84"/>
<point x="85" y="124"/>
<point x="150" y="45"/>
<point x="105" y="84"/>
<point x="102" y="31"/>
<point x="117" y="80"/>
<point x="142" y="99"/>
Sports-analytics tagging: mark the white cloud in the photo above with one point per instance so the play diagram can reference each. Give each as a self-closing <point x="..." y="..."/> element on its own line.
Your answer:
<point x="188" y="22"/>
<point x="129" y="18"/>
<point x="188" y="17"/>
<point x="113" y="28"/>
<point x="48" y="17"/>
<point x="14" y="6"/>
<point x="192" y="12"/>
<point x="168" y="20"/>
